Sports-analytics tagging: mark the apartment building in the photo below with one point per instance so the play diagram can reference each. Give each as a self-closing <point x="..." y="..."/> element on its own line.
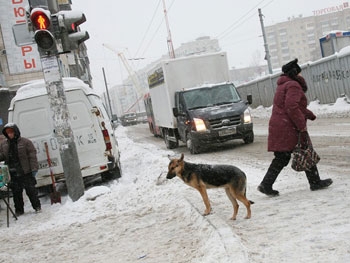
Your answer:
<point x="299" y="36"/>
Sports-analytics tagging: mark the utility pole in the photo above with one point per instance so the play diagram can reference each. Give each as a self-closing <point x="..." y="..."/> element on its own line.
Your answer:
<point x="63" y="130"/>
<point x="51" y="27"/>
<point x="132" y="74"/>
<point x="267" y="53"/>
<point x="169" y="39"/>
<point x="107" y="92"/>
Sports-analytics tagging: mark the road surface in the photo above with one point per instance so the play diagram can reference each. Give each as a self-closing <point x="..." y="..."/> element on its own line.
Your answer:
<point x="330" y="137"/>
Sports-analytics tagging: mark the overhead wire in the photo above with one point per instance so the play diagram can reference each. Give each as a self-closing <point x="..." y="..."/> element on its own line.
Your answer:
<point x="143" y="48"/>
<point x="227" y="32"/>
<point x="157" y="29"/>
<point x="148" y="28"/>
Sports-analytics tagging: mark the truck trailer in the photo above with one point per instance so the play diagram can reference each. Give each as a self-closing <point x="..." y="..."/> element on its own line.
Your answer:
<point x="193" y="101"/>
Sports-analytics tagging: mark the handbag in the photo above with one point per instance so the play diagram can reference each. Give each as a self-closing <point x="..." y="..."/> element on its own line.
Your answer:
<point x="304" y="156"/>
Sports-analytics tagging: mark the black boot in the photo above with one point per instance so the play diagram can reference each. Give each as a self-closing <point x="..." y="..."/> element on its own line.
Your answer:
<point x="19" y="212"/>
<point x="321" y="184"/>
<point x="281" y="160"/>
<point x="314" y="180"/>
<point x="267" y="189"/>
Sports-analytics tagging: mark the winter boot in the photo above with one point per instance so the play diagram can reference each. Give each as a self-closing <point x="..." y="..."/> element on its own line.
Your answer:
<point x="278" y="163"/>
<point x="321" y="184"/>
<point x="267" y="189"/>
<point x="314" y="180"/>
<point x="19" y="212"/>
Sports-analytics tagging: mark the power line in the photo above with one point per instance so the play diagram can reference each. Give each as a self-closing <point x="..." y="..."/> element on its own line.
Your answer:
<point x="156" y="31"/>
<point x="148" y="28"/>
<point x="240" y="21"/>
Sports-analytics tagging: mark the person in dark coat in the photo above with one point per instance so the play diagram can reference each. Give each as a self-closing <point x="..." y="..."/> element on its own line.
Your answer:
<point x="19" y="154"/>
<point x="288" y="119"/>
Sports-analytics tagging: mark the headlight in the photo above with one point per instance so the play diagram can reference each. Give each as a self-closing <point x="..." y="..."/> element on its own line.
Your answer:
<point x="247" y="117"/>
<point x="199" y="125"/>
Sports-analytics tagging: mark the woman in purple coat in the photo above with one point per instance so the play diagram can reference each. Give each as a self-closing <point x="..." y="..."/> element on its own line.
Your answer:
<point x="289" y="116"/>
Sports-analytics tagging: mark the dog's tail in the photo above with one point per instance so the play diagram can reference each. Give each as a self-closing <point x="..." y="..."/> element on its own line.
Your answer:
<point x="245" y="194"/>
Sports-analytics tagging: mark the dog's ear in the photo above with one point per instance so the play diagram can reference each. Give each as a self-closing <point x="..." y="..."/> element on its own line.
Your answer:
<point x="182" y="157"/>
<point x="169" y="157"/>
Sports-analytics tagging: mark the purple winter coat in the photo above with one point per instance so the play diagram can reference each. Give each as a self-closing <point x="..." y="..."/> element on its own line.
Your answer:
<point x="289" y="115"/>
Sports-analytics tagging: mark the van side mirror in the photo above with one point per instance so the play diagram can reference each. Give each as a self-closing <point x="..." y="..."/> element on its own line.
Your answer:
<point x="250" y="99"/>
<point x="175" y="112"/>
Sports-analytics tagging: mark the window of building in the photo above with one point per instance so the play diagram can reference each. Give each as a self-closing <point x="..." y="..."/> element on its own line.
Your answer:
<point x="282" y="32"/>
<point x="334" y="22"/>
<point x="310" y="26"/>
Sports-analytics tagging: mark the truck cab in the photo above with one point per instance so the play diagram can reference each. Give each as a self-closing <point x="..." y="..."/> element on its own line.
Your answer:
<point x="212" y="114"/>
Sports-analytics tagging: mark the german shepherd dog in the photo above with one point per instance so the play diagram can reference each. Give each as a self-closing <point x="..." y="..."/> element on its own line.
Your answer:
<point x="204" y="176"/>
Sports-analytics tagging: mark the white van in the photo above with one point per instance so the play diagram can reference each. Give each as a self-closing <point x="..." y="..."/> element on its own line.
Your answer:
<point x="93" y="134"/>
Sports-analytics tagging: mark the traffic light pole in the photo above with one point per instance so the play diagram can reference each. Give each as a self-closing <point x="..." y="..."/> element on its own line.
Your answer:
<point x="53" y="30"/>
<point x="62" y="128"/>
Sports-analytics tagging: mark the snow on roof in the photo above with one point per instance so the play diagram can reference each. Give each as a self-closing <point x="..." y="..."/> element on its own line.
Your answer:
<point x="37" y="88"/>
<point x="344" y="51"/>
<point x="208" y="85"/>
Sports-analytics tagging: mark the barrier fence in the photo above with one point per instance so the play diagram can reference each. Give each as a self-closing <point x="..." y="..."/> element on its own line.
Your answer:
<point x="327" y="80"/>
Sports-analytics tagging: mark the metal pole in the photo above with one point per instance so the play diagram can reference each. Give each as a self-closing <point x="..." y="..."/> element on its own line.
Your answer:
<point x="267" y="53"/>
<point x="107" y="92"/>
<point x="53" y="6"/>
<point x="60" y="115"/>
<point x="62" y="129"/>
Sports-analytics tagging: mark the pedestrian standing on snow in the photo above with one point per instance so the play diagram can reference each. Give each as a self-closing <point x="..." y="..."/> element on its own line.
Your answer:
<point x="19" y="154"/>
<point x="288" y="119"/>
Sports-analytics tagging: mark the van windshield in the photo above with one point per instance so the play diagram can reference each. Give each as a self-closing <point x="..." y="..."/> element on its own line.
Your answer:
<point x="211" y="96"/>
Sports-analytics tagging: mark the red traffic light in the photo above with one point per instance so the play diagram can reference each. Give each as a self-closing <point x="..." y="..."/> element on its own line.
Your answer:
<point x="40" y="18"/>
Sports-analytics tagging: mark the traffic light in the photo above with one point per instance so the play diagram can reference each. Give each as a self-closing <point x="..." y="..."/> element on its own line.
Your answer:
<point x="70" y="33"/>
<point x="40" y="20"/>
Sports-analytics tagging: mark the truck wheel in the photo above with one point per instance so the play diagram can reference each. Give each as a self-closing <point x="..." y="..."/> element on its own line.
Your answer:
<point x="194" y="149"/>
<point x="169" y="144"/>
<point x="249" y="138"/>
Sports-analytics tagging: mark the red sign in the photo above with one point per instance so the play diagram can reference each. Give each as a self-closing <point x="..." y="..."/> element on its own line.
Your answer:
<point x="331" y="9"/>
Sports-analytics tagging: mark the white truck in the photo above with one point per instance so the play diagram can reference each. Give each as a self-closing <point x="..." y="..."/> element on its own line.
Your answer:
<point x="94" y="137"/>
<point x="192" y="100"/>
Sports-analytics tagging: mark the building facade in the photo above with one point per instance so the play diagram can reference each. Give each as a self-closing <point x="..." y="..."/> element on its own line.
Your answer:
<point x="20" y="63"/>
<point x="203" y="44"/>
<point x="299" y="37"/>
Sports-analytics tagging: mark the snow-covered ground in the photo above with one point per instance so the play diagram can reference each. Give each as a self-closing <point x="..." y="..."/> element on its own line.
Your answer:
<point x="143" y="217"/>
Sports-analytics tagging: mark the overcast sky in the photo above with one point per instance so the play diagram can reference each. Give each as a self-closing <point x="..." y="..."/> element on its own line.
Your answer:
<point x="138" y="30"/>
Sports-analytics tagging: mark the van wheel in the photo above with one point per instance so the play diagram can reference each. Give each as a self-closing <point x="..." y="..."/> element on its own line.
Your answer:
<point x="194" y="149"/>
<point x="113" y="174"/>
<point x="169" y="144"/>
<point x="249" y="138"/>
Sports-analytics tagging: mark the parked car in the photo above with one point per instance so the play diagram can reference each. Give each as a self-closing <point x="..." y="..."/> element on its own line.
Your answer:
<point x="129" y="119"/>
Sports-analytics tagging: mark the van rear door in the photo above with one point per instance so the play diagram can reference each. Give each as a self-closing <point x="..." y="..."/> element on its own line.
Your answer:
<point x="33" y="118"/>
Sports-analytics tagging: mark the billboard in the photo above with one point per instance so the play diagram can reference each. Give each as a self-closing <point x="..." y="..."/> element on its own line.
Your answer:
<point x="21" y="59"/>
